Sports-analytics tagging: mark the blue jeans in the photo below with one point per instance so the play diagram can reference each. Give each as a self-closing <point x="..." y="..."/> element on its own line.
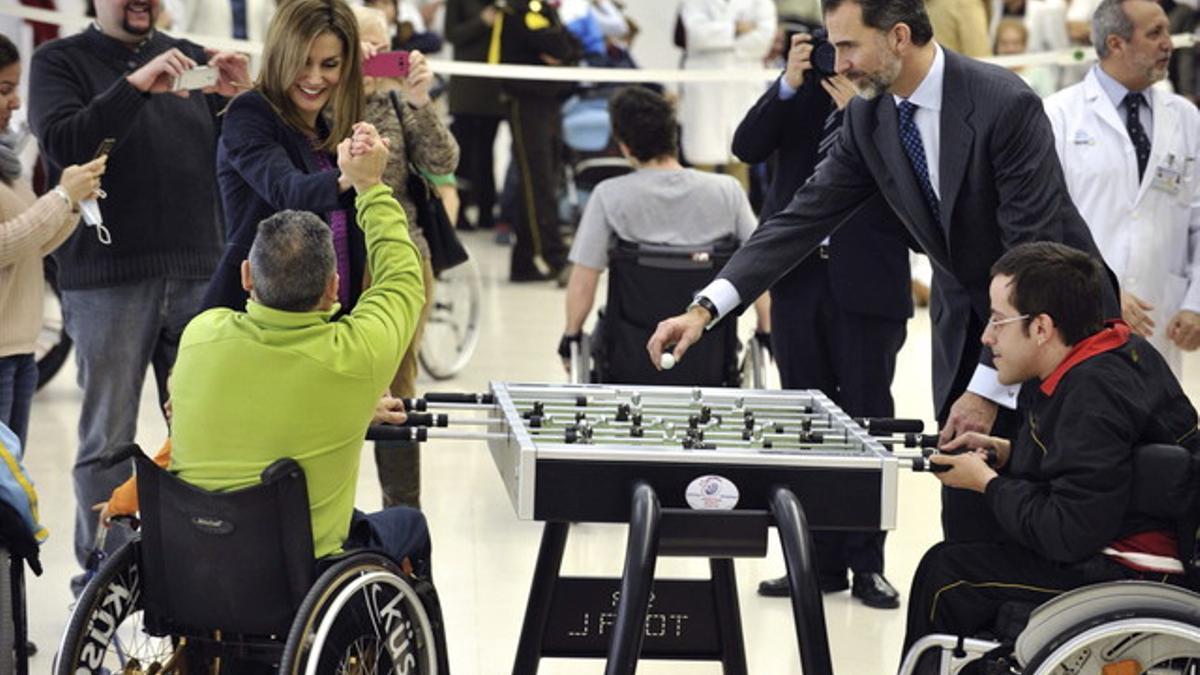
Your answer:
<point x="399" y="531"/>
<point x="119" y="331"/>
<point x="18" y="381"/>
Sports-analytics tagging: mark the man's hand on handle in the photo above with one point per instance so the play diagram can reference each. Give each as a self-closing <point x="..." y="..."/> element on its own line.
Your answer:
<point x="971" y="412"/>
<point x="678" y="333"/>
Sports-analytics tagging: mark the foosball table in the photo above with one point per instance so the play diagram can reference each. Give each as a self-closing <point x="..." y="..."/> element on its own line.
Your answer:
<point x="698" y="472"/>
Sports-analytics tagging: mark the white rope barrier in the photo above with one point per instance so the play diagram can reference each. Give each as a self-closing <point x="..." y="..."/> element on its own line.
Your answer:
<point x="1071" y="56"/>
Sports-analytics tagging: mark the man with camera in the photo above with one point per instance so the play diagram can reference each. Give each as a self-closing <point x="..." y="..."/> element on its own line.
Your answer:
<point x="130" y="285"/>
<point x="839" y="316"/>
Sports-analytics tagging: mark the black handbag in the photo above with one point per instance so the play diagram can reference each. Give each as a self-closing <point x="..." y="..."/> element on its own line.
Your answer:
<point x="445" y="249"/>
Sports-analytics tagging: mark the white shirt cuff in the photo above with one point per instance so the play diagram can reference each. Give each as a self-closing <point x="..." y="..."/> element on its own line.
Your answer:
<point x="986" y="383"/>
<point x="723" y="296"/>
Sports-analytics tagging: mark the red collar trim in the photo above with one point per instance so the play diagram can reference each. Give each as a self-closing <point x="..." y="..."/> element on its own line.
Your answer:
<point x="1114" y="335"/>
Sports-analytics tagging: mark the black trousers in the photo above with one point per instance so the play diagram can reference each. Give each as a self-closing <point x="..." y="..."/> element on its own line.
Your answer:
<point x="959" y="588"/>
<point x="476" y="136"/>
<point x="850" y="357"/>
<point x="536" y="123"/>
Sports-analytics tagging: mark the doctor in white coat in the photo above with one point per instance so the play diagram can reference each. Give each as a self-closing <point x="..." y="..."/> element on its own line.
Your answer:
<point x="1147" y="226"/>
<point x="721" y="35"/>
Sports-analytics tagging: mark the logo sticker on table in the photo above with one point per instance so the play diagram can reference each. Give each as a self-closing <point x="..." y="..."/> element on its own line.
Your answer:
<point x="712" y="493"/>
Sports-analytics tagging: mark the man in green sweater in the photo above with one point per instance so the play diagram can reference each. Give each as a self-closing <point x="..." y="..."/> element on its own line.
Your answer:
<point x="283" y="379"/>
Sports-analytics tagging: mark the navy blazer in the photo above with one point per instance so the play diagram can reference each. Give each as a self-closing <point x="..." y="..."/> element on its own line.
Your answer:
<point x="868" y="266"/>
<point x="265" y="166"/>
<point x="1001" y="185"/>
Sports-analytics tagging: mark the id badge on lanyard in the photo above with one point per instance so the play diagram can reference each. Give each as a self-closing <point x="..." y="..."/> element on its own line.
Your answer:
<point x="1169" y="176"/>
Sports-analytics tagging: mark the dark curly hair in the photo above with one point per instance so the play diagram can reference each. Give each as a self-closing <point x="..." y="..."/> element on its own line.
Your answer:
<point x="645" y="122"/>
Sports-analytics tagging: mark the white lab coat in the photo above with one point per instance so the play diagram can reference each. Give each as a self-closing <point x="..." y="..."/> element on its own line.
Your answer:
<point x="711" y="111"/>
<point x="1150" y="238"/>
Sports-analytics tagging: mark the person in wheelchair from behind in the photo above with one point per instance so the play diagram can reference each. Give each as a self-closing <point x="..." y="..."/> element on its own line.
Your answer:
<point x="283" y="379"/>
<point x="660" y="202"/>
<point x="1061" y="490"/>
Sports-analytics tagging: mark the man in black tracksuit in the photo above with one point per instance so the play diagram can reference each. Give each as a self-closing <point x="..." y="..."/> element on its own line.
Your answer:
<point x="1062" y="491"/>
<point x="529" y="32"/>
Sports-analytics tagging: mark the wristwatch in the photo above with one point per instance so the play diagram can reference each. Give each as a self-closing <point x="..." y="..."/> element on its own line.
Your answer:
<point x="707" y="305"/>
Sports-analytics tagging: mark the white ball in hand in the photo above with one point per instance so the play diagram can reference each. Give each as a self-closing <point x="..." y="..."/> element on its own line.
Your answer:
<point x="667" y="361"/>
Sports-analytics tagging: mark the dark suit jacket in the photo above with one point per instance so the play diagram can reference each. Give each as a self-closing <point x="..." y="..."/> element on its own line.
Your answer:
<point x="1001" y="185"/>
<point x="264" y="166"/>
<point x="868" y="266"/>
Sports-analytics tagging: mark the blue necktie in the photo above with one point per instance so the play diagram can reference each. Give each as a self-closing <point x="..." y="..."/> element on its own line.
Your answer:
<point x="910" y="138"/>
<point x="1137" y="133"/>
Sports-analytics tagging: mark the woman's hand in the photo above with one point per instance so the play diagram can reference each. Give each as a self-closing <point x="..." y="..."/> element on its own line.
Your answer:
<point x="83" y="181"/>
<point x="419" y="80"/>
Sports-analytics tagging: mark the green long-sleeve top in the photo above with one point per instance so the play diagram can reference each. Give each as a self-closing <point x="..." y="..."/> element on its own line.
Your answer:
<point x="251" y="387"/>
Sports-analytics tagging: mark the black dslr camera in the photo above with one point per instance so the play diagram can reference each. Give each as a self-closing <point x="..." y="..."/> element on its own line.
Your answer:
<point x="824" y="54"/>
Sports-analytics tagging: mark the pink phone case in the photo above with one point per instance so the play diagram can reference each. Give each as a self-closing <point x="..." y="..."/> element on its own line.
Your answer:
<point x="387" y="64"/>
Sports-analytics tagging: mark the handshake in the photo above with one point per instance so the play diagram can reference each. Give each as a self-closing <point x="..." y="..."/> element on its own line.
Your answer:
<point x="363" y="157"/>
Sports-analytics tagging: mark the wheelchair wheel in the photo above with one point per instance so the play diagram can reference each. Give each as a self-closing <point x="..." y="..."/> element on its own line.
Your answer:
<point x="8" y="605"/>
<point x="1158" y="644"/>
<point x="361" y="618"/>
<point x="452" y="331"/>
<point x="105" y="632"/>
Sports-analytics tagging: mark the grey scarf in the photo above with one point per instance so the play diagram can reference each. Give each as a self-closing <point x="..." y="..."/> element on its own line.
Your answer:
<point x="10" y="163"/>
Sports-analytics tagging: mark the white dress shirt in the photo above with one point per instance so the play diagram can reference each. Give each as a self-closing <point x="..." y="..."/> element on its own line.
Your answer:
<point x="928" y="98"/>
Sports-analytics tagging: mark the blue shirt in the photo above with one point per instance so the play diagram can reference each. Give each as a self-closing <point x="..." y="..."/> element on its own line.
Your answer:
<point x="1116" y="93"/>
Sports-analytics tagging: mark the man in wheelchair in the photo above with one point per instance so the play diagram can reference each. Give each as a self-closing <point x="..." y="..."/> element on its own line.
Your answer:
<point x="661" y="202"/>
<point x="1063" y="492"/>
<point x="285" y="378"/>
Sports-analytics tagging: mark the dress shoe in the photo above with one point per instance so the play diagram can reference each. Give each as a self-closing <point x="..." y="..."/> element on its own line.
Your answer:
<point x="778" y="588"/>
<point x="875" y="591"/>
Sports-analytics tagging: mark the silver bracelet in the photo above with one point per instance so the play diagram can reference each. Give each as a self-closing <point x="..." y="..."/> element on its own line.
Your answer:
<point x="62" y="192"/>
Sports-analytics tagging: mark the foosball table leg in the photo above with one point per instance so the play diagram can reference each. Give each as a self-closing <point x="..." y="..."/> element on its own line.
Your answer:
<point x="641" y="554"/>
<point x="729" y="618"/>
<point x="807" y="609"/>
<point x="541" y="595"/>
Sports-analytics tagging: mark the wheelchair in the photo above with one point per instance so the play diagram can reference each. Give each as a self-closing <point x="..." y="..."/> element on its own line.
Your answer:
<point x="646" y="284"/>
<point x="1114" y="628"/>
<point x="227" y="583"/>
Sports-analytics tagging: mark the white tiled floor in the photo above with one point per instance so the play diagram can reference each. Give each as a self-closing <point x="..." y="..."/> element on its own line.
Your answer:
<point x="484" y="555"/>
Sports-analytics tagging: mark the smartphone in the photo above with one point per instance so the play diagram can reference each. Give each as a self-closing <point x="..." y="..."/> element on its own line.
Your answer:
<point x="199" y="77"/>
<point x="106" y="147"/>
<point x="387" y="64"/>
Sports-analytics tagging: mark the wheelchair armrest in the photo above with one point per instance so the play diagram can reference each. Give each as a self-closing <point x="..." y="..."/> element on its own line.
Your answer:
<point x="119" y="453"/>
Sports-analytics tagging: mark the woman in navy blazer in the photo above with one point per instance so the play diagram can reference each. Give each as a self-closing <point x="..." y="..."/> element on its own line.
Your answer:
<point x="278" y="141"/>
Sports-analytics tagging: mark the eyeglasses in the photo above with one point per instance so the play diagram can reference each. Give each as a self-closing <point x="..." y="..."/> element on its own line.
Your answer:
<point x="994" y="323"/>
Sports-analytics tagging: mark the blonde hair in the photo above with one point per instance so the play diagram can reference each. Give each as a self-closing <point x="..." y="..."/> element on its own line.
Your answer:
<point x="370" y="15"/>
<point x="296" y="24"/>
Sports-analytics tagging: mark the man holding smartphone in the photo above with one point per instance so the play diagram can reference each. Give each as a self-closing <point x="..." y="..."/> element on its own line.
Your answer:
<point x="126" y="297"/>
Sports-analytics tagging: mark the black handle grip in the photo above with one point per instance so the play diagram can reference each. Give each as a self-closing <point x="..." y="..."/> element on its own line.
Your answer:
<point x="426" y="420"/>
<point x="449" y="397"/>
<point x="920" y="440"/>
<point x="414" y="404"/>
<point x="393" y="432"/>
<point x="883" y="426"/>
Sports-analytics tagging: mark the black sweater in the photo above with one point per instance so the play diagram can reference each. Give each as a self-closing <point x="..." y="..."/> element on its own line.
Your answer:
<point x="162" y="207"/>
<point x="1067" y="489"/>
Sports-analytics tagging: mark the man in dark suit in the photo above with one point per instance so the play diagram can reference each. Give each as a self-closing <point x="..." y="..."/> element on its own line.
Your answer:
<point x="839" y="316"/>
<point x="964" y="154"/>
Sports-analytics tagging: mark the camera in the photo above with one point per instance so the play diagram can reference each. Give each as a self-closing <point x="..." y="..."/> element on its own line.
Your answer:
<point x="824" y="54"/>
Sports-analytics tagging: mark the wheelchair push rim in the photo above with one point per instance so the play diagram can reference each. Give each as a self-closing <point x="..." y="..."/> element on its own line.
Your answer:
<point x="361" y="618"/>
<point x="1159" y="645"/>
